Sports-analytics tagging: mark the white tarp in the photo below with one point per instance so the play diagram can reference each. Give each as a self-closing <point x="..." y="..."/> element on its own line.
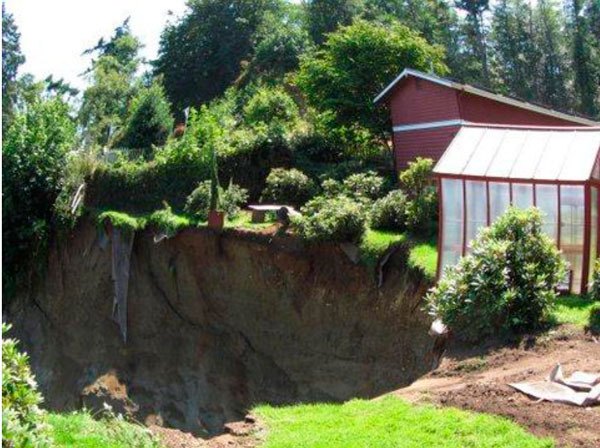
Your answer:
<point x="580" y="389"/>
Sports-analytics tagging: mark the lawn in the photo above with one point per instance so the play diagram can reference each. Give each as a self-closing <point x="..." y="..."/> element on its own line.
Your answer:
<point x="389" y="422"/>
<point x="81" y="430"/>
<point x="574" y="310"/>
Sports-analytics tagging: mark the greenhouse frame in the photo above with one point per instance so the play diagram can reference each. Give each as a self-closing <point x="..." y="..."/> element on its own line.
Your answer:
<point x="486" y="168"/>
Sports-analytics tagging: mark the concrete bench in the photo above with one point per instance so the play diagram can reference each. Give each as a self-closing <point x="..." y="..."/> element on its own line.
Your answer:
<point x="259" y="211"/>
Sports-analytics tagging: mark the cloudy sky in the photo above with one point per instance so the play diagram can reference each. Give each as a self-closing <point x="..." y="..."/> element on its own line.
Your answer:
<point x="54" y="33"/>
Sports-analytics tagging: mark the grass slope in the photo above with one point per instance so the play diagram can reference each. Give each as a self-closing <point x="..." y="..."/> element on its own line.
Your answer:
<point x="389" y="422"/>
<point x="79" y="429"/>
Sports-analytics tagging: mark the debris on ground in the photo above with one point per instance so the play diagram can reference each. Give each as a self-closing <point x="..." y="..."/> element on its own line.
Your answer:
<point x="580" y="389"/>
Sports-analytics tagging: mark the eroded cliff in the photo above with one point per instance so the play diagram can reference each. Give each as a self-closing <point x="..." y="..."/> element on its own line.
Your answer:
<point x="219" y="322"/>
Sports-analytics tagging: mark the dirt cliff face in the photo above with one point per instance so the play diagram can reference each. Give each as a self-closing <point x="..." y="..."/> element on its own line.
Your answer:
<point x="219" y="322"/>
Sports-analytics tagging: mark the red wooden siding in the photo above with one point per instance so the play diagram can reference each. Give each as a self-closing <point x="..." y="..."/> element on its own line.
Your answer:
<point x="418" y="101"/>
<point x="421" y="101"/>
<point x="484" y="110"/>
<point x="429" y="143"/>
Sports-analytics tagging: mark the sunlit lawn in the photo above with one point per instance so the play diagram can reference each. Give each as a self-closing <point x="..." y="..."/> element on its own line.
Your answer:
<point x="80" y="430"/>
<point x="574" y="310"/>
<point x="389" y="422"/>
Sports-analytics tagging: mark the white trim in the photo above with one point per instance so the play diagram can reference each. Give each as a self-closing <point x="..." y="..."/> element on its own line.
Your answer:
<point x="428" y="125"/>
<point x="483" y="93"/>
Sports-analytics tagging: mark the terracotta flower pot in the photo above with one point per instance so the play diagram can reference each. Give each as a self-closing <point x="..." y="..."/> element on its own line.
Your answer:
<point x="216" y="219"/>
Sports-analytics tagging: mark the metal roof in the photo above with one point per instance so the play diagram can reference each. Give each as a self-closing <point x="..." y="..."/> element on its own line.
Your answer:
<point x="486" y="94"/>
<point x="562" y="154"/>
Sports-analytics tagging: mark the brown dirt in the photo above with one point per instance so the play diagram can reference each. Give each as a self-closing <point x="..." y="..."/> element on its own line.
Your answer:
<point x="477" y="380"/>
<point x="217" y="323"/>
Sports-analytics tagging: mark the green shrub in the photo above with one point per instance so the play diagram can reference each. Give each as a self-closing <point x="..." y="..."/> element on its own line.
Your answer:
<point x="338" y="219"/>
<point x="23" y="422"/>
<point x="34" y="152"/>
<point x="594" y="291"/>
<point x="422" y="207"/>
<point x="149" y="121"/>
<point x="332" y="188"/>
<point x="366" y="185"/>
<point x="389" y="212"/>
<point x="417" y="178"/>
<point x="593" y="325"/>
<point x="317" y="147"/>
<point x="506" y="284"/>
<point x="231" y="200"/>
<point x="421" y="213"/>
<point x="291" y="187"/>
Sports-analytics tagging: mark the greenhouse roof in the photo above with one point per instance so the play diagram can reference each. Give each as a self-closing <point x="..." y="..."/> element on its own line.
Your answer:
<point x="514" y="152"/>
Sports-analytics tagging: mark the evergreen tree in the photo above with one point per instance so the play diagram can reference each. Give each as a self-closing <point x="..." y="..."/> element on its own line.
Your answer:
<point x="112" y="76"/>
<point x="515" y="55"/>
<point x="553" y="73"/>
<point x="475" y="40"/>
<point x="201" y="54"/>
<point x="12" y="58"/>
<point x="586" y="59"/>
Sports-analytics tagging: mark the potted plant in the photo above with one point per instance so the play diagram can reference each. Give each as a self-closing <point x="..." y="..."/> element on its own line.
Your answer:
<point x="216" y="217"/>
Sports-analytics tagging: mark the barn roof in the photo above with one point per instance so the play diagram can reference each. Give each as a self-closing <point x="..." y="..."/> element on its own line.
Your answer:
<point x="516" y="152"/>
<point x="483" y="93"/>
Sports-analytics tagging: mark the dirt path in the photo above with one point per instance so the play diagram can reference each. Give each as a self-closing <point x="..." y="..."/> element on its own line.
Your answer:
<point x="478" y="381"/>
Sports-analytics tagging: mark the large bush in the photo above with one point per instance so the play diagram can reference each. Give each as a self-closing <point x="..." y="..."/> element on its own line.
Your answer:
<point x="34" y="151"/>
<point x="149" y="121"/>
<point x="338" y="219"/>
<point x="422" y="205"/>
<point x="231" y="199"/>
<point x="23" y="422"/>
<point x="366" y="185"/>
<point x="506" y="284"/>
<point x="291" y="187"/>
<point x="389" y="212"/>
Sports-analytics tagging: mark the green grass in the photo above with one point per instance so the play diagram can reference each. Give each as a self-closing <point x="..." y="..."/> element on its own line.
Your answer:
<point x="79" y="429"/>
<point x="574" y="310"/>
<point x="424" y="255"/>
<point x="375" y="243"/>
<point x="243" y="220"/>
<point x="121" y="220"/>
<point x="389" y="422"/>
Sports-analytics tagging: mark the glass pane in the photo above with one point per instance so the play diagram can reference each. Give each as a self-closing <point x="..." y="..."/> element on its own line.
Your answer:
<point x="452" y="211"/>
<point x="476" y="209"/>
<point x="499" y="199"/>
<point x="593" y="230"/>
<point x="546" y="198"/>
<point x="522" y="195"/>
<point x="571" y="230"/>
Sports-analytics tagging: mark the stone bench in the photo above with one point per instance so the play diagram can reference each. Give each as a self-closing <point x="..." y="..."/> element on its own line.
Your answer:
<point x="259" y="211"/>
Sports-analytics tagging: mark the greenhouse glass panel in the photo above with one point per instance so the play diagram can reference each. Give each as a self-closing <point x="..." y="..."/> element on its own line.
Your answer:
<point x="522" y="195"/>
<point x="593" y="230"/>
<point x="547" y="201"/>
<point x="499" y="199"/>
<point x="452" y="230"/>
<point x="476" y="209"/>
<point x="572" y="223"/>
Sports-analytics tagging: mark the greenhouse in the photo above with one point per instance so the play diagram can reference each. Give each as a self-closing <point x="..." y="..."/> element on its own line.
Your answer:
<point x="487" y="168"/>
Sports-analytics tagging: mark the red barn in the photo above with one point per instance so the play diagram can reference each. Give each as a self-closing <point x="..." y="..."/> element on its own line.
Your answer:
<point x="427" y="112"/>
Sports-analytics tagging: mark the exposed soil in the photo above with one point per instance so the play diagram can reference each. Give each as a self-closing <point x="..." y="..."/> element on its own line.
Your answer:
<point x="217" y="323"/>
<point x="477" y="379"/>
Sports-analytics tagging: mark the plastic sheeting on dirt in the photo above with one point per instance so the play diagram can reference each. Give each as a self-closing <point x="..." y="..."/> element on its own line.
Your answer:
<point x="122" y="244"/>
<point x="580" y="389"/>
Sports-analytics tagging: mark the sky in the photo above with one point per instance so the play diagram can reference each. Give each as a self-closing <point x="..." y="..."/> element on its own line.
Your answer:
<point x="54" y="33"/>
